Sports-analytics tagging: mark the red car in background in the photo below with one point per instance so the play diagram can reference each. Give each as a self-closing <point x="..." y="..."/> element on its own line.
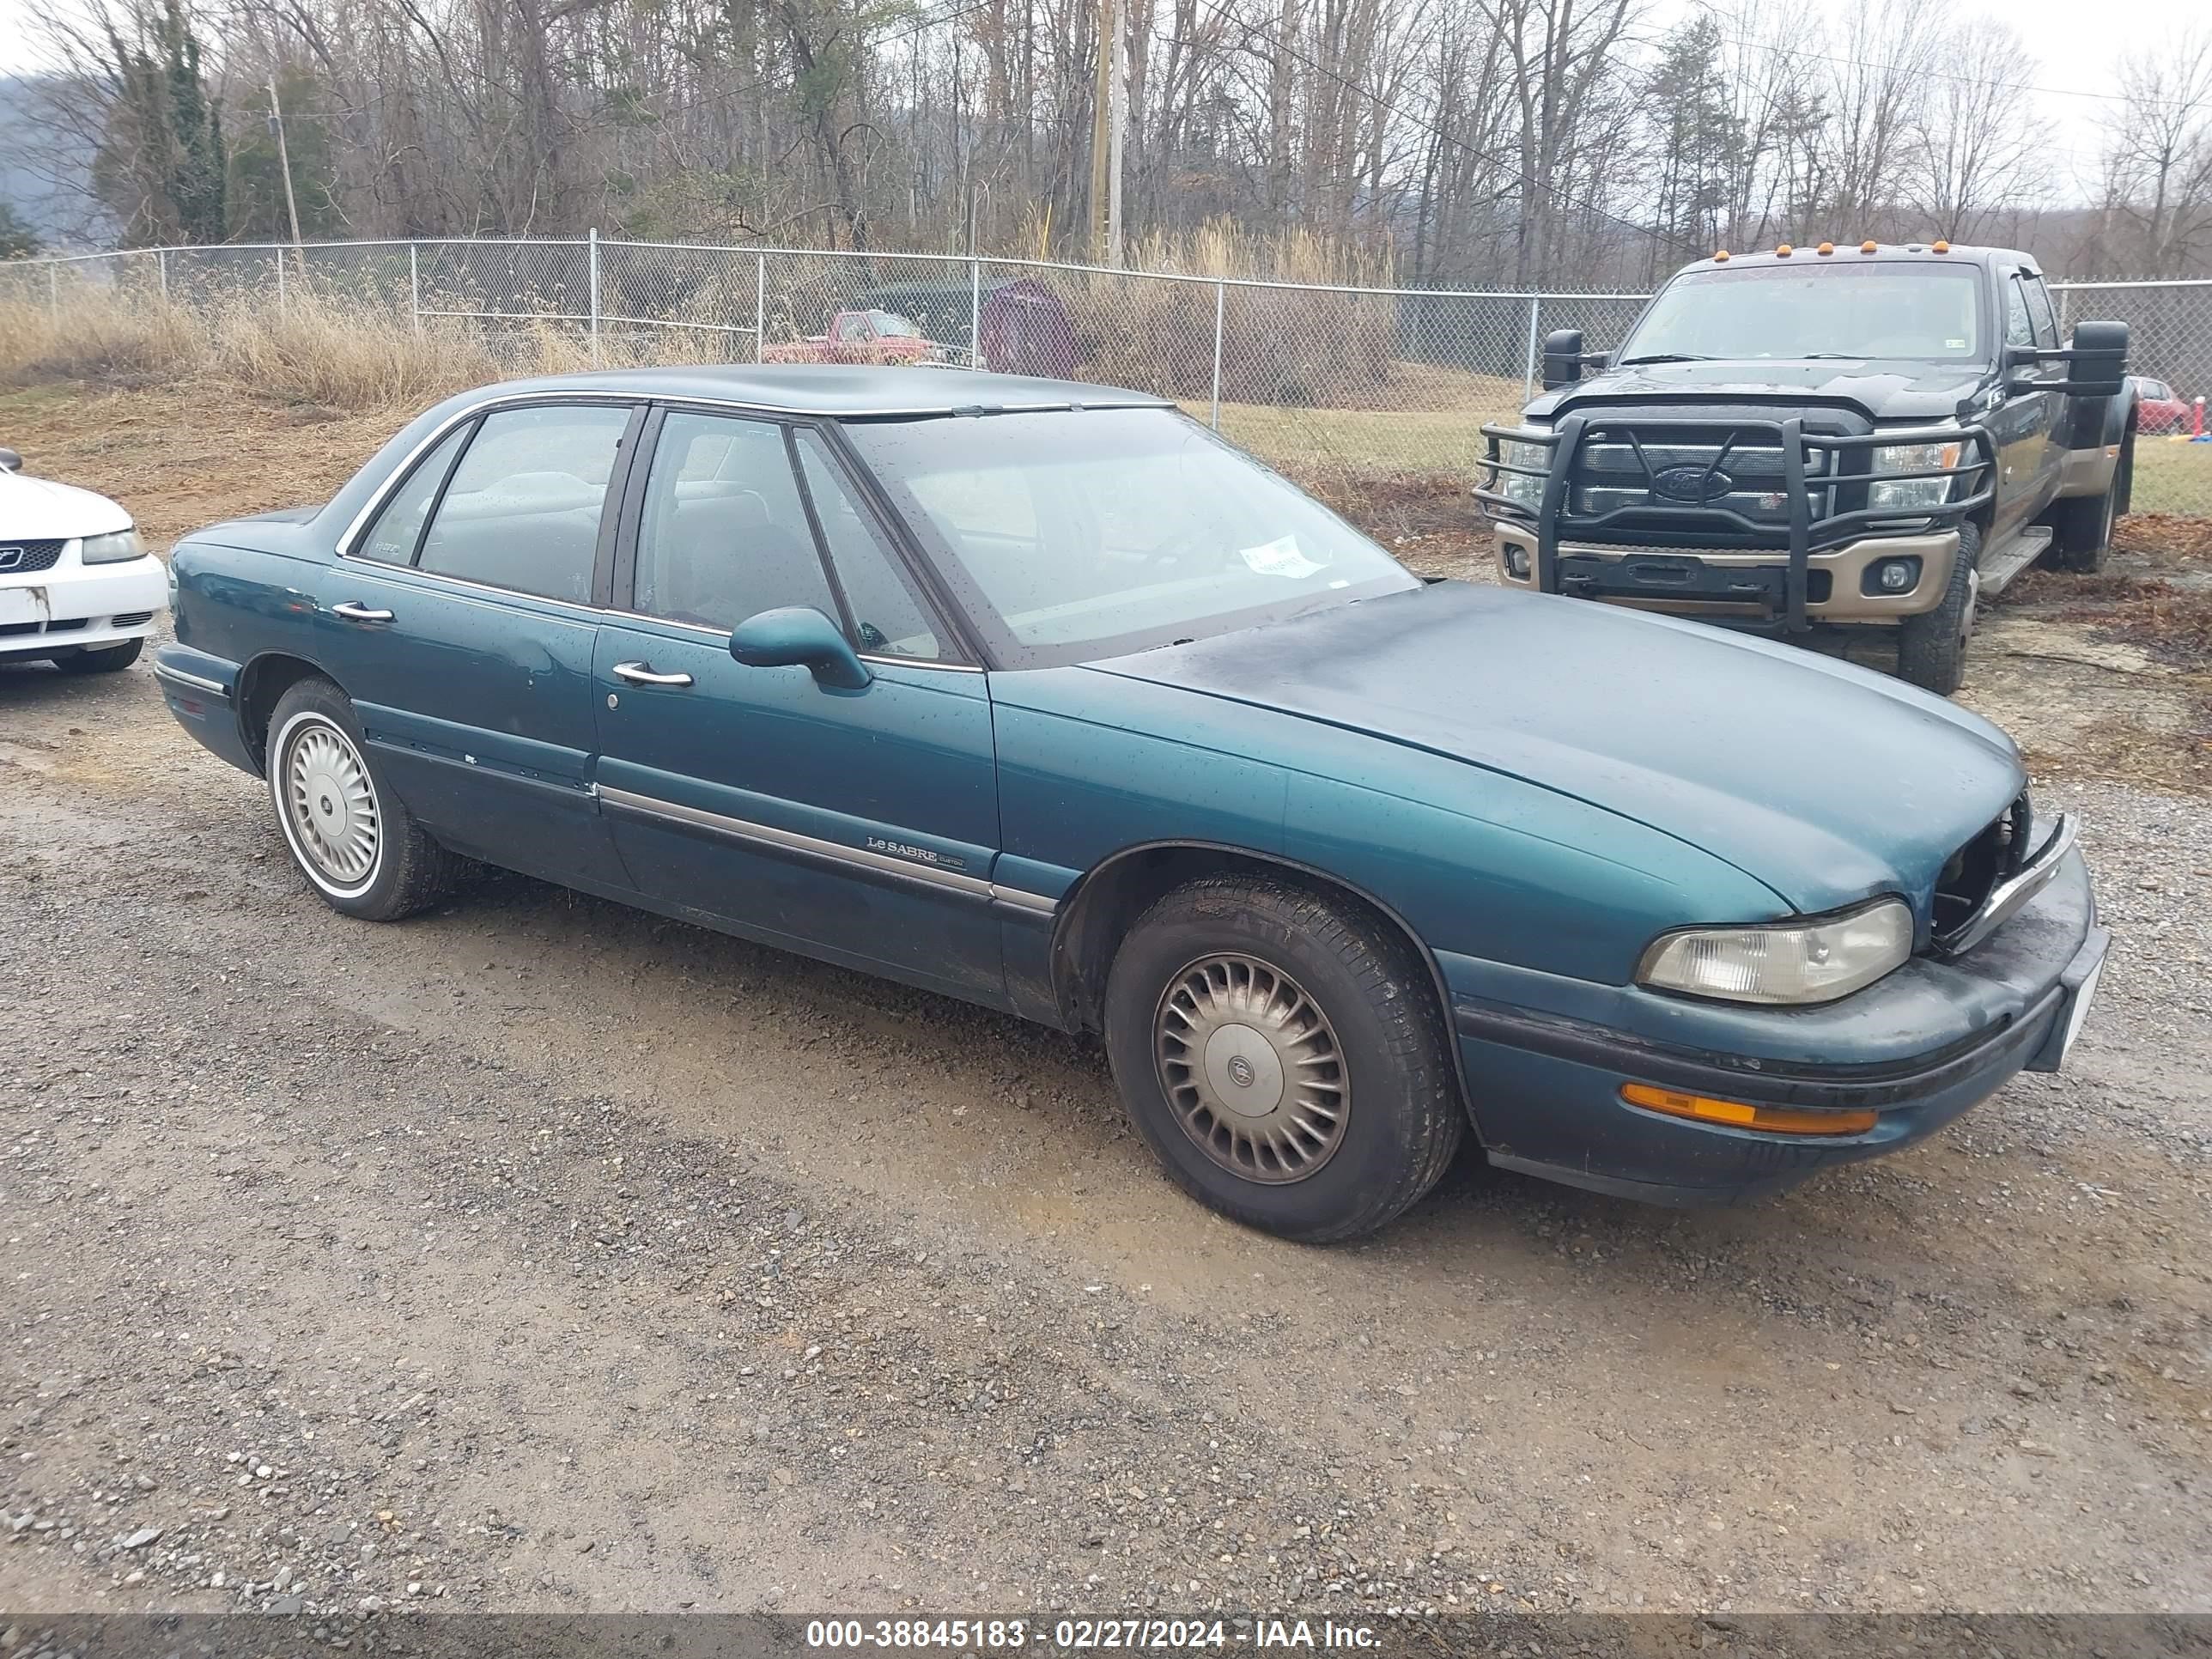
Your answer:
<point x="2159" y="408"/>
<point x="861" y="337"/>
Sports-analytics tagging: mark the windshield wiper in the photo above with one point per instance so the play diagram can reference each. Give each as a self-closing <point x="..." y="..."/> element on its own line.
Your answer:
<point x="1668" y="357"/>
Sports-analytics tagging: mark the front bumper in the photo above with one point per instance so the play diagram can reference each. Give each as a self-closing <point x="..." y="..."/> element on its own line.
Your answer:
<point x="1739" y="584"/>
<point x="50" y="612"/>
<point x="1919" y="1047"/>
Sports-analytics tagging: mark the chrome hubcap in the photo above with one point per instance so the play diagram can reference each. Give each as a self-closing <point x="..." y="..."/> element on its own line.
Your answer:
<point x="332" y="807"/>
<point x="1252" y="1067"/>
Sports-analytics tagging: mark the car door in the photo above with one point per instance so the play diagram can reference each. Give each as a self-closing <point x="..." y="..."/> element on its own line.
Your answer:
<point x="461" y="620"/>
<point x="2025" y="424"/>
<point x="857" y="825"/>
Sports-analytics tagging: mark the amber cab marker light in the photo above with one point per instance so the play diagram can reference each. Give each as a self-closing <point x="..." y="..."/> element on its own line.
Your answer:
<point x="1868" y="246"/>
<point x="1826" y="248"/>
<point x="1783" y="252"/>
<point x="1939" y="247"/>
<point x="1720" y="257"/>
<point x="1777" y="1120"/>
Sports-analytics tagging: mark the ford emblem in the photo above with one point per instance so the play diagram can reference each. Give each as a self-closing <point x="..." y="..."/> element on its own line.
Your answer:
<point x="1691" y="483"/>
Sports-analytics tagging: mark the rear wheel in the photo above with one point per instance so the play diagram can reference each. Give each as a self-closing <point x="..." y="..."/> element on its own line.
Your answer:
<point x="353" y="839"/>
<point x="1282" y="1053"/>
<point x="1931" y="647"/>
<point x="102" y="659"/>
<point x="2081" y="527"/>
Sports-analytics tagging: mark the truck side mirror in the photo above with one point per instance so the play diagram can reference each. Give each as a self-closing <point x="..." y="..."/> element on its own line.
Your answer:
<point x="1563" y="358"/>
<point x="2096" y="360"/>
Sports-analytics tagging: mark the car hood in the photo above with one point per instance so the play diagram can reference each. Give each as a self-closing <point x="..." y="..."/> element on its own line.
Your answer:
<point x="1826" y="782"/>
<point x="39" y="509"/>
<point x="1880" y="390"/>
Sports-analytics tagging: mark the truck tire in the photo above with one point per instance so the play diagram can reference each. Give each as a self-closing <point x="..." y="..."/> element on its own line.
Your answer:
<point x="1931" y="647"/>
<point x="2082" y="528"/>
<point x="1282" y="1052"/>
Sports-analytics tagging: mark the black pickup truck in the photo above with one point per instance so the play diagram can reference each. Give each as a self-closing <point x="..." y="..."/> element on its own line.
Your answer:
<point x="1822" y="438"/>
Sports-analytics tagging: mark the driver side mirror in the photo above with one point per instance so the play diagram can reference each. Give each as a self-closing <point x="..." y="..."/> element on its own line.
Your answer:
<point x="800" y="636"/>
<point x="1563" y="358"/>
<point x="10" y="461"/>
<point x="2096" y="359"/>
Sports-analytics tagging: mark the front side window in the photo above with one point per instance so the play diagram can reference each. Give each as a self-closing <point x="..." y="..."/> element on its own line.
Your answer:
<point x="887" y="619"/>
<point x="522" y="510"/>
<point x="2039" y="310"/>
<point x="2019" y="328"/>
<point x="725" y="535"/>
<point x="1075" y="535"/>
<point x="1914" y="311"/>
<point x="398" y="527"/>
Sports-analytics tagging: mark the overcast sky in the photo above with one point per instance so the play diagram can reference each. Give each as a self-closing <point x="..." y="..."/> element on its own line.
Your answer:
<point x="2077" y="42"/>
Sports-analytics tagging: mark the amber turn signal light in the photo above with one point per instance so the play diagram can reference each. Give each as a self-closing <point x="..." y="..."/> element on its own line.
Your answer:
<point x="1776" y="1120"/>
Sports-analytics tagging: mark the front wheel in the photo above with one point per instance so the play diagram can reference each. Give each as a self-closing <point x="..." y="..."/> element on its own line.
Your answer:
<point x="353" y="839"/>
<point x="1931" y="647"/>
<point x="102" y="659"/>
<point x="1282" y="1052"/>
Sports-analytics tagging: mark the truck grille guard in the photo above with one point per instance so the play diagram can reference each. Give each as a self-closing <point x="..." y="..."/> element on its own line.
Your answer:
<point x="1553" y="518"/>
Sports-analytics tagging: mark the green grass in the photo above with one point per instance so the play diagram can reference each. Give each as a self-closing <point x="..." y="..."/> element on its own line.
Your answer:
<point x="2173" y="477"/>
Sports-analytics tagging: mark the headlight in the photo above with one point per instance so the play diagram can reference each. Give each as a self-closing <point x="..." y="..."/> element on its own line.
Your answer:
<point x="113" y="549"/>
<point x="1913" y="494"/>
<point x="1522" y="489"/>
<point x="1789" y="962"/>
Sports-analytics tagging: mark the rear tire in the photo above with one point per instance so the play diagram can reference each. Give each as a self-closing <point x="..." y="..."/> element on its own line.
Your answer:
<point x="1931" y="647"/>
<point x="353" y="838"/>
<point x="102" y="659"/>
<point x="1282" y="1052"/>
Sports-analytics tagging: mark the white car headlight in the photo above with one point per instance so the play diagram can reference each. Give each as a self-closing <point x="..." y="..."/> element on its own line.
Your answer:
<point x="1786" y="961"/>
<point x="1523" y="489"/>
<point x="113" y="549"/>
<point x="1913" y="494"/>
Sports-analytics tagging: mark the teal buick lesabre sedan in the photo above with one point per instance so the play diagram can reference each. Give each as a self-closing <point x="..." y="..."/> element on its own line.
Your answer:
<point x="1042" y="696"/>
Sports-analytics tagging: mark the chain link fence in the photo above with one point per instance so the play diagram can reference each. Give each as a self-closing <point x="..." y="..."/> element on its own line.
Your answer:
<point x="1351" y="390"/>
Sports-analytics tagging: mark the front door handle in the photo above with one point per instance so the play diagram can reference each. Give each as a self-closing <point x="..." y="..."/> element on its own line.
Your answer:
<point x="352" y="610"/>
<point x="640" y="673"/>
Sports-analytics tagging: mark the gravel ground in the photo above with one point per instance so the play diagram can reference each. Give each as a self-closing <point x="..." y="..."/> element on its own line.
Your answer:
<point x="536" y="1254"/>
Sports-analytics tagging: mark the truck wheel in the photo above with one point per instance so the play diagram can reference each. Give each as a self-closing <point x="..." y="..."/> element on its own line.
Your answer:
<point x="353" y="838"/>
<point x="1931" y="647"/>
<point x="2082" y="528"/>
<point x="1282" y="1052"/>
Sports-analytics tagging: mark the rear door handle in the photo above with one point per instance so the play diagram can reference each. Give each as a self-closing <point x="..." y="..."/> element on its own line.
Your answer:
<point x="352" y="610"/>
<point x="640" y="673"/>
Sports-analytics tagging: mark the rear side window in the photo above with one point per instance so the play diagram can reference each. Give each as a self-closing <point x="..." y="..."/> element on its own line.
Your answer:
<point x="522" y="510"/>
<point x="392" y="538"/>
<point x="887" y="619"/>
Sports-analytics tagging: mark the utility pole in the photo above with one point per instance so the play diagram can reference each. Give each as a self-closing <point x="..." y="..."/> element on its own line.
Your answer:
<point x="1117" y="104"/>
<point x="284" y="160"/>
<point x="1101" y="116"/>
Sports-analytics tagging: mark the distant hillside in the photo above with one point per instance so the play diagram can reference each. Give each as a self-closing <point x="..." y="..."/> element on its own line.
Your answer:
<point x="42" y="170"/>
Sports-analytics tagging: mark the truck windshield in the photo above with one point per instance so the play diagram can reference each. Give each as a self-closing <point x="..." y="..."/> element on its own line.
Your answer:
<point x="1073" y="536"/>
<point x="1922" y="311"/>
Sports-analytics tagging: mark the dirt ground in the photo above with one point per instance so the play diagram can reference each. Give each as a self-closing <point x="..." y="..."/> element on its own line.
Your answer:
<point x="537" y="1254"/>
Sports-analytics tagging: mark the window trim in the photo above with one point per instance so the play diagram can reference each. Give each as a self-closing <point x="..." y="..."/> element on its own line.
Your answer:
<point x="399" y="483"/>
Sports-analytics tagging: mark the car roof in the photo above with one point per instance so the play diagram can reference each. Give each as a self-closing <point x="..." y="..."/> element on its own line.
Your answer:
<point x="1850" y="253"/>
<point x="848" y="390"/>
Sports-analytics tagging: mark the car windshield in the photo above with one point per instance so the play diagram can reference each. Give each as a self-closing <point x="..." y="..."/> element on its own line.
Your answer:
<point x="1921" y="312"/>
<point x="1074" y="535"/>
<point x="892" y="327"/>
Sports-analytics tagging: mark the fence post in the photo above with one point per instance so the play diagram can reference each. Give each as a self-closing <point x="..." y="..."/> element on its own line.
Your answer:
<point x="1528" y="372"/>
<point x="54" y="287"/>
<point x="760" y="308"/>
<point x="415" y="287"/>
<point x="280" y="281"/>
<point x="162" y="264"/>
<point x="976" y="314"/>
<point x="1220" y="309"/>
<point x="595" y="295"/>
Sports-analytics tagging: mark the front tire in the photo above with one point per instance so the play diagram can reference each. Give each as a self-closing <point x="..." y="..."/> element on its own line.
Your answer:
<point x="102" y="659"/>
<point x="353" y="839"/>
<point x="1931" y="647"/>
<point x="1282" y="1053"/>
